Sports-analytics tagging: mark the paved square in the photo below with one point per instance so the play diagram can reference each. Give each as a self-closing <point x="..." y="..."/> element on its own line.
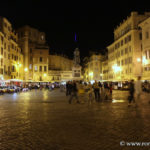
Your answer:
<point x="43" y="120"/>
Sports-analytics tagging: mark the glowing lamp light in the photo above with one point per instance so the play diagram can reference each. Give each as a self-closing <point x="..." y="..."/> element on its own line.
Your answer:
<point x="91" y="74"/>
<point x="92" y="81"/>
<point x="144" y="60"/>
<point x="1" y="77"/>
<point x="26" y="69"/>
<point x="20" y="65"/>
<point x="116" y="68"/>
<point x="45" y="74"/>
<point x="138" y="59"/>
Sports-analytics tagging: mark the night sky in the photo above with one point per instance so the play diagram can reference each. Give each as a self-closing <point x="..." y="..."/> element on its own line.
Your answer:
<point x="93" y="22"/>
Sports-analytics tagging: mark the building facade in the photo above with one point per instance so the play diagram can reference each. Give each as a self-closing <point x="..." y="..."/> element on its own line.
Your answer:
<point x="93" y="68"/>
<point x="124" y="54"/>
<point x="104" y="72"/>
<point x="145" y="30"/>
<point x="39" y="65"/>
<point x="11" y="57"/>
<point x="35" y="52"/>
<point x="60" y="68"/>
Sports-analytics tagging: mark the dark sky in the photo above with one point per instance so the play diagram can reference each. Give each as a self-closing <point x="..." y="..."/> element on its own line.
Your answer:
<point x="93" y="22"/>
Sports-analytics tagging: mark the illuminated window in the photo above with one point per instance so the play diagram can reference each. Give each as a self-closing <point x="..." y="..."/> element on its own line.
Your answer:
<point x="147" y="35"/>
<point x="41" y="59"/>
<point x="4" y="45"/>
<point x="1" y="61"/>
<point x="121" y="42"/>
<point x="2" y="39"/>
<point x="30" y="66"/>
<point x="35" y="68"/>
<point x="129" y="38"/>
<point x="1" y="51"/>
<point x="140" y="36"/>
<point x="121" y="52"/>
<point x="126" y="50"/>
<point x="45" y="68"/>
<point x="40" y="68"/>
<point x="130" y="70"/>
<point x="146" y="54"/>
<point x="130" y="49"/>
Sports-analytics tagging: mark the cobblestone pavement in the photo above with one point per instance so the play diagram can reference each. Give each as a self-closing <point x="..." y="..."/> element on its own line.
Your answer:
<point x="43" y="120"/>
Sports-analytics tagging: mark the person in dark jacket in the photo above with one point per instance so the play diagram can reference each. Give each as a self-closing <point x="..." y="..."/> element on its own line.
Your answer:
<point x="96" y="91"/>
<point x="131" y="92"/>
<point x="74" y="92"/>
<point x="68" y="88"/>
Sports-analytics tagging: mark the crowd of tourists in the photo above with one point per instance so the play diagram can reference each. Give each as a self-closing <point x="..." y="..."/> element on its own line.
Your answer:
<point x="82" y="91"/>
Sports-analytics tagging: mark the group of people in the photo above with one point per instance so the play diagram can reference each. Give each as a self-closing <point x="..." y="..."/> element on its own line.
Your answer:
<point x="96" y="92"/>
<point x="83" y="92"/>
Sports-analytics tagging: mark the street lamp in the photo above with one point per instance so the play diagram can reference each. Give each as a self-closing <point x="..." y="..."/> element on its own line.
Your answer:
<point x="26" y="69"/>
<point x="91" y="74"/>
<point x="116" y="68"/>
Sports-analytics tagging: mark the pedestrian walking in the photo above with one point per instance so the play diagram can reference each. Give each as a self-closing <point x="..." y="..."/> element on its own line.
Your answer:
<point x="96" y="91"/>
<point x="68" y="88"/>
<point x="110" y="88"/>
<point x="81" y="91"/>
<point x="74" y="93"/>
<point x="138" y="89"/>
<point x="106" y="91"/>
<point x="131" y="93"/>
<point x="90" y="93"/>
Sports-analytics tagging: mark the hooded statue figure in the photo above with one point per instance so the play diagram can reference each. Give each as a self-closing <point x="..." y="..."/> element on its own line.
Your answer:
<point x="76" y="57"/>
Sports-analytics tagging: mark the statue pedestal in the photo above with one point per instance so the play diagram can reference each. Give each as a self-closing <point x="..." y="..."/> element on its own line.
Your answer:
<point x="76" y="73"/>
